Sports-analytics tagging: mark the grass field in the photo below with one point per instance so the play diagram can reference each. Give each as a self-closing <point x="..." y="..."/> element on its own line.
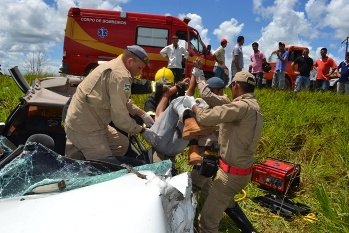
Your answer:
<point x="309" y="128"/>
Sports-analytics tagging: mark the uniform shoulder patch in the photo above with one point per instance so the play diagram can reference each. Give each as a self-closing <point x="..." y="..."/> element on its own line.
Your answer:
<point x="127" y="87"/>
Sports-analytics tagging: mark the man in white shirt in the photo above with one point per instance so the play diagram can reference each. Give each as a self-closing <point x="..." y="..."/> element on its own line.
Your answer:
<point x="174" y="53"/>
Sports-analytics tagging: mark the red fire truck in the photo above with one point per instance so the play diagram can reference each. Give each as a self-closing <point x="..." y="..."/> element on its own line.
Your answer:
<point x="94" y="36"/>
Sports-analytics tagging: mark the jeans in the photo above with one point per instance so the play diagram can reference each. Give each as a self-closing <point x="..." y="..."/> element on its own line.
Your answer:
<point x="233" y="71"/>
<point x="278" y="79"/>
<point x="343" y="88"/>
<point x="259" y="78"/>
<point x="322" y="85"/>
<point x="178" y="74"/>
<point x="302" y="82"/>
<point x="220" y="196"/>
<point x="169" y="129"/>
<point x="218" y="72"/>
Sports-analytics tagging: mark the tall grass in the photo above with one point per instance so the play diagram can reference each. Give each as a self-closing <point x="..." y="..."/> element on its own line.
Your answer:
<point x="312" y="129"/>
<point x="10" y="94"/>
<point x="309" y="128"/>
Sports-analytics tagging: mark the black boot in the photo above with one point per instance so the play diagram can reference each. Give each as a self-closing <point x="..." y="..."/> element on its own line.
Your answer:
<point x="240" y="219"/>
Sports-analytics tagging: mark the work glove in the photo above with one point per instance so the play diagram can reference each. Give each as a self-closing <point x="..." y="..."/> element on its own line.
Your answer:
<point x="150" y="137"/>
<point x="199" y="75"/>
<point x="147" y="120"/>
<point x="189" y="102"/>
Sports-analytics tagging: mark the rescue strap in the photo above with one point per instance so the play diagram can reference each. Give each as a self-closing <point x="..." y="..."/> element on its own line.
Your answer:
<point x="234" y="170"/>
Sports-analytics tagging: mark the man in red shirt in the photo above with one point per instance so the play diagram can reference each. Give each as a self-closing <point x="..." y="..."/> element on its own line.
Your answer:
<point x="323" y="66"/>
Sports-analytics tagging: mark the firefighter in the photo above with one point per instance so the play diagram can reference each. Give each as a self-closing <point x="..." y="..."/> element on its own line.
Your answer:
<point x="164" y="92"/>
<point x="240" y="125"/>
<point x="212" y="92"/>
<point x="103" y="97"/>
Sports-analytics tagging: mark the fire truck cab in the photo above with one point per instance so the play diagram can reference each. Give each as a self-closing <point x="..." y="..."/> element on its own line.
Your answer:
<point x="93" y="36"/>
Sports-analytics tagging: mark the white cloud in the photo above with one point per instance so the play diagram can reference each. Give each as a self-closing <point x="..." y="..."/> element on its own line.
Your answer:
<point x="33" y="26"/>
<point x="338" y="17"/>
<point x="230" y="30"/>
<point x="28" y="26"/>
<point x="196" y="22"/>
<point x="316" y="10"/>
<point x="330" y="17"/>
<point x="101" y="4"/>
<point x="331" y="14"/>
<point x="262" y="9"/>
<point x="286" y="24"/>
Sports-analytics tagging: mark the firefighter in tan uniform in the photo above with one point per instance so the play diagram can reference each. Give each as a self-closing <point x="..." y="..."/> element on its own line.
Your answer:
<point x="101" y="98"/>
<point x="212" y="92"/>
<point x="240" y="126"/>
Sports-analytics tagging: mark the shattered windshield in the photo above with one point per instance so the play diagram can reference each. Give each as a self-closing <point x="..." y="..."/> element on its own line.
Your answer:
<point x="38" y="166"/>
<point x="6" y="147"/>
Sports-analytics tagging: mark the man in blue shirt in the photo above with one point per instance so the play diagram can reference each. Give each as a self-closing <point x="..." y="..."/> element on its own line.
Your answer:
<point x="279" y="75"/>
<point x="343" y="82"/>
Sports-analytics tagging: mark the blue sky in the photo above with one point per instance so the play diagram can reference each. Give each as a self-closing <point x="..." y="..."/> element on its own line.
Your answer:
<point x="38" y="25"/>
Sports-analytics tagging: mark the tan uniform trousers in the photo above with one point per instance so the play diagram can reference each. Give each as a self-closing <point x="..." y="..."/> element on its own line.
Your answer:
<point x="96" y="147"/>
<point x="201" y="183"/>
<point x="221" y="196"/>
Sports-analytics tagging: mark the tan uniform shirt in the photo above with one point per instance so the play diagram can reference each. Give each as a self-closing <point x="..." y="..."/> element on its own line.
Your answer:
<point x="211" y="98"/>
<point x="102" y="98"/>
<point x="240" y="126"/>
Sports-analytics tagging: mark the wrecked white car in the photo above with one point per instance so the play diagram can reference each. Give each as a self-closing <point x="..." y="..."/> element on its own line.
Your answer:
<point x="43" y="191"/>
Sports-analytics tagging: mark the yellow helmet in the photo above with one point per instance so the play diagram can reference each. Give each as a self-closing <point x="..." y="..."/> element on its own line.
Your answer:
<point x="165" y="76"/>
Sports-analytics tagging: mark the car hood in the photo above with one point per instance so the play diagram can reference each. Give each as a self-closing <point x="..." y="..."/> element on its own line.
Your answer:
<point x="47" y="192"/>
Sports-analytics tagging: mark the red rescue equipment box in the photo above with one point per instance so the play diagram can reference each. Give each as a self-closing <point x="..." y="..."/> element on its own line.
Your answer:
<point x="276" y="174"/>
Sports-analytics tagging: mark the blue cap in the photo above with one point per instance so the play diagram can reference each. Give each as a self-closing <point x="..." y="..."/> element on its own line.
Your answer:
<point x="215" y="82"/>
<point x="139" y="52"/>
